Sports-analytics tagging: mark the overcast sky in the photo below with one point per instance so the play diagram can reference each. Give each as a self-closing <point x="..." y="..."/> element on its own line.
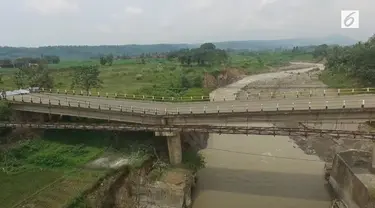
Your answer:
<point x="94" y="22"/>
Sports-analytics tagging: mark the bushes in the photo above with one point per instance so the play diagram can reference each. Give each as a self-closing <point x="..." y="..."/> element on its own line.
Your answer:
<point x="353" y="62"/>
<point x="193" y="160"/>
<point x="5" y="110"/>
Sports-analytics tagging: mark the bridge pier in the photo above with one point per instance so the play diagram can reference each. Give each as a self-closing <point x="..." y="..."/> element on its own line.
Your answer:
<point x="174" y="146"/>
<point x="372" y="167"/>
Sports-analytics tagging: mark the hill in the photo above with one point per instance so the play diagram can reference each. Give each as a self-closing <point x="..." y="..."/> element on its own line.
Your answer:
<point x="87" y="52"/>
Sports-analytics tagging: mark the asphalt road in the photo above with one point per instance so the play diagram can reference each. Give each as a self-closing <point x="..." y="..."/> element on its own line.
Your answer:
<point x="333" y="102"/>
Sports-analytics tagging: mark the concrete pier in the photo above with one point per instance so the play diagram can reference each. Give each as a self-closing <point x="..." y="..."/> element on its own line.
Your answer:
<point x="174" y="146"/>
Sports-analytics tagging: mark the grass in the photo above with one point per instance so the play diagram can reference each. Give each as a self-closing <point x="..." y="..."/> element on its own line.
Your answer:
<point x="158" y="77"/>
<point x="18" y="186"/>
<point x="338" y="80"/>
<point x="59" y="156"/>
<point x="64" y="190"/>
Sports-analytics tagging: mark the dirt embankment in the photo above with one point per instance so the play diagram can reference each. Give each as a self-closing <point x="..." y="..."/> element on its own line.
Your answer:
<point x="223" y="78"/>
<point x="130" y="187"/>
<point x="231" y="75"/>
<point x="324" y="146"/>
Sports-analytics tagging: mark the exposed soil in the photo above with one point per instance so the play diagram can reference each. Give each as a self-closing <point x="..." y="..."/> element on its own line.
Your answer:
<point x="225" y="77"/>
<point x="324" y="146"/>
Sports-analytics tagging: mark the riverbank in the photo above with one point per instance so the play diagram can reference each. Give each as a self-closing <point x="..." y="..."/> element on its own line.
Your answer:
<point x="71" y="167"/>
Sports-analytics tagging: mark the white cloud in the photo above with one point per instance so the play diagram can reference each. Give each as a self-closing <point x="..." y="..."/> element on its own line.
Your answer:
<point x="133" y="10"/>
<point x="145" y="21"/>
<point x="200" y="4"/>
<point x="104" y="28"/>
<point x="52" y="7"/>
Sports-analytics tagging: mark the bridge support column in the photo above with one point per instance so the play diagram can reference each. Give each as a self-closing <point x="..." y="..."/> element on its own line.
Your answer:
<point x="372" y="167"/>
<point x="174" y="146"/>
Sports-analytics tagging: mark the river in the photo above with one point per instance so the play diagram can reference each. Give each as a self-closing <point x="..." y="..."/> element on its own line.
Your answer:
<point x="258" y="171"/>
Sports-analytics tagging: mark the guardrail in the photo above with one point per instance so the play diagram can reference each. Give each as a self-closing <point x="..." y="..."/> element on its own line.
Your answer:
<point x="195" y="128"/>
<point x="312" y="92"/>
<point x="199" y="108"/>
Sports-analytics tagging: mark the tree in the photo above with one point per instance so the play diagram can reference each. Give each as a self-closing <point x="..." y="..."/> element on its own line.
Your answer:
<point x="20" y="79"/>
<point x="6" y="63"/>
<point x="110" y="59"/>
<point x="51" y="59"/>
<point x="33" y="77"/>
<point x="206" y="54"/>
<point x="103" y="60"/>
<point x="208" y="46"/>
<point x="87" y="77"/>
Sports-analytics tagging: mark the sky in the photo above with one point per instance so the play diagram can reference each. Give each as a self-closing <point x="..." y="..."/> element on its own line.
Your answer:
<point x="118" y="22"/>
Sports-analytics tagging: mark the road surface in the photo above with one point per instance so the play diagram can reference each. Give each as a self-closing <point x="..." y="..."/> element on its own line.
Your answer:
<point x="304" y="103"/>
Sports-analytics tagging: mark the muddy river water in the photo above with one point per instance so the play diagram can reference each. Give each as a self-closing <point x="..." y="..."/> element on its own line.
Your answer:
<point x="259" y="171"/>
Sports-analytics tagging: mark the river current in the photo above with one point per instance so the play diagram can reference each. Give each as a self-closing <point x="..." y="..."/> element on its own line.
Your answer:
<point x="259" y="171"/>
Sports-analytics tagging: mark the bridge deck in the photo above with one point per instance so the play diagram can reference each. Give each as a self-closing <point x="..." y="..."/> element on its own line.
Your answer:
<point x="150" y="107"/>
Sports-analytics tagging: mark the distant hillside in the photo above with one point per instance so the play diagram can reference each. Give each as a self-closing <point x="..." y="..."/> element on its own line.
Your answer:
<point x="86" y="52"/>
<point x="285" y="43"/>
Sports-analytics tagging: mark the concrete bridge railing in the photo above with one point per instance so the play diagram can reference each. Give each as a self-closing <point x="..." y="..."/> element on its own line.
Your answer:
<point x="351" y="179"/>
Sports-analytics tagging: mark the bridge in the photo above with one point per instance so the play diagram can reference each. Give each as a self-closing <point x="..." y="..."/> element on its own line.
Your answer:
<point x="358" y="107"/>
<point x="248" y="130"/>
<point x="168" y="119"/>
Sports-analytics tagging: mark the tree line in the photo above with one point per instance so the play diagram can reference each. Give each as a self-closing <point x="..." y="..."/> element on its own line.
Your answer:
<point x="25" y="61"/>
<point x="206" y="54"/>
<point x="356" y="61"/>
<point x="83" y="77"/>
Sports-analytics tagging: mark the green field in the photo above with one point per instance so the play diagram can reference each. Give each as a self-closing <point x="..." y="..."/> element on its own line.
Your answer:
<point x="49" y="170"/>
<point x="157" y="77"/>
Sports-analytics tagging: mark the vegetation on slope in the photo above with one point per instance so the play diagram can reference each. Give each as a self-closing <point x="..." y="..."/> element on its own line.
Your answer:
<point x="58" y="156"/>
<point x="350" y="66"/>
